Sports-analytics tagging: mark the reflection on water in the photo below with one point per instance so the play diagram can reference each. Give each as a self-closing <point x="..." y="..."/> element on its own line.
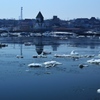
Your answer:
<point x="74" y="79"/>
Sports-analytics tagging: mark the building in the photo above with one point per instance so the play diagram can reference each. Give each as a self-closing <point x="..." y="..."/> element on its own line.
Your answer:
<point x="55" y="21"/>
<point x="39" y="25"/>
<point x="25" y="25"/>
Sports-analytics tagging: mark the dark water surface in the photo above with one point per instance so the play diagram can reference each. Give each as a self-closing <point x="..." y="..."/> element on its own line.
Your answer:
<point x="63" y="82"/>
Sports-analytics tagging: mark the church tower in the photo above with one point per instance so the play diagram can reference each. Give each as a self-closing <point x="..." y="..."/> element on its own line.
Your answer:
<point x="39" y="18"/>
<point x="39" y="25"/>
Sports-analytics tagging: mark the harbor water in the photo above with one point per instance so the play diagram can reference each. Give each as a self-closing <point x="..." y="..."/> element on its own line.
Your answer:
<point x="67" y="81"/>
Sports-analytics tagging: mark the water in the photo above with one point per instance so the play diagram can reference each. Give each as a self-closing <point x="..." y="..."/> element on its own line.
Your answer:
<point x="63" y="82"/>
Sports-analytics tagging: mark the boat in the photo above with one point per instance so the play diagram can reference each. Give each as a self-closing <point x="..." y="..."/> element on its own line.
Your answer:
<point x="3" y="29"/>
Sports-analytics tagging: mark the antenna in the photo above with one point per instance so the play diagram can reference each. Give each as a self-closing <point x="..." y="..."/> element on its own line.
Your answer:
<point x="21" y="13"/>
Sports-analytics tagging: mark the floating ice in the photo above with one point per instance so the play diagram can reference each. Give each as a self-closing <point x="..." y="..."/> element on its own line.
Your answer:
<point x="74" y="53"/>
<point x="94" y="61"/>
<point x="39" y="56"/>
<point x="27" y="70"/>
<point x="51" y="63"/>
<point x="62" y="56"/>
<point x="34" y="65"/>
<point x="98" y="90"/>
<point x="19" y="56"/>
<point x="46" y="64"/>
<point x="46" y="52"/>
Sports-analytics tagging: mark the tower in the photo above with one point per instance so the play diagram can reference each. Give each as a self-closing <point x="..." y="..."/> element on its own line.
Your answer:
<point x="21" y="13"/>
<point x="39" y="19"/>
<point x="39" y="24"/>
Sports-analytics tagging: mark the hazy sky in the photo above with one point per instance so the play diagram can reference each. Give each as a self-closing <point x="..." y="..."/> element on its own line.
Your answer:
<point x="64" y="9"/>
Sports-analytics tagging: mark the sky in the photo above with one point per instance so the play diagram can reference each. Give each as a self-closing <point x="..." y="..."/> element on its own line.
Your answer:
<point x="64" y="9"/>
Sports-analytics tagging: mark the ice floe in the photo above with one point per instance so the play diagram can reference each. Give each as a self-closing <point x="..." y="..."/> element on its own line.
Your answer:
<point x="45" y="64"/>
<point x="98" y="90"/>
<point x="46" y="52"/>
<point x="34" y="65"/>
<point x="51" y="63"/>
<point x="74" y="55"/>
<point x="19" y="56"/>
<point x="39" y="56"/>
<point x="94" y="61"/>
<point x="62" y="56"/>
